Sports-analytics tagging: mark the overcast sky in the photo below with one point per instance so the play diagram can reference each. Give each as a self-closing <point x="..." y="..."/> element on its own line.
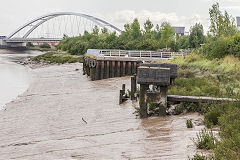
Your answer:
<point x="14" y="13"/>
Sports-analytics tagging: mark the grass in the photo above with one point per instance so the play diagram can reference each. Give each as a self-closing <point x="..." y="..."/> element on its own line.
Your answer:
<point x="57" y="57"/>
<point x="42" y="49"/>
<point x="189" y="123"/>
<point x="205" y="140"/>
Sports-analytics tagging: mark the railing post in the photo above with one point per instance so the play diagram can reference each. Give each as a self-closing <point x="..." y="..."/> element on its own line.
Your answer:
<point x="110" y="53"/>
<point x="119" y="53"/>
<point x="140" y="53"/>
<point x="161" y="54"/>
<point x="150" y="54"/>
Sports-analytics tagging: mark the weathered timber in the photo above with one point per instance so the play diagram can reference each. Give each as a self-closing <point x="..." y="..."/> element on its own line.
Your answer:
<point x="123" y="68"/>
<point x="121" y="97"/>
<point x="133" y="87"/>
<point x="153" y="75"/>
<point x="143" y="100"/>
<point x="107" y="69"/>
<point x="194" y="99"/>
<point x="118" y="69"/>
<point x="98" y="71"/>
<point x="103" y="68"/>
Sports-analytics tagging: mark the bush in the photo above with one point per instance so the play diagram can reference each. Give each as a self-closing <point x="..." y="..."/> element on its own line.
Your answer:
<point x="55" y="57"/>
<point x="205" y="140"/>
<point x="189" y="123"/>
<point x="229" y="146"/>
<point x="45" y="45"/>
<point x="29" y="44"/>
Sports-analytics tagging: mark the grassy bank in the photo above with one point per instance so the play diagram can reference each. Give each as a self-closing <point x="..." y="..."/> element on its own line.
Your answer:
<point x="199" y="76"/>
<point x="57" y="57"/>
<point x="37" y="48"/>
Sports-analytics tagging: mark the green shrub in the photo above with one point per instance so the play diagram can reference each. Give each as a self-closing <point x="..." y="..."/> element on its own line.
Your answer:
<point x="229" y="145"/>
<point x="205" y="140"/>
<point x="189" y="123"/>
<point x="45" y="45"/>
<point x="211" y="117"/>
<point x="56" y="57"/>
<point x="198" y="157"/>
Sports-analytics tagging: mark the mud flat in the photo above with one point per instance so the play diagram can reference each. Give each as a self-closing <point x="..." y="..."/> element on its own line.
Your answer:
<point x="65" y="116"/>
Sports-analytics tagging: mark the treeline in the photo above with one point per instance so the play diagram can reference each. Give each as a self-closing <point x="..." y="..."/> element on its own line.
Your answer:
<point x="134" y="38"/>
<point x="222" y="38"/>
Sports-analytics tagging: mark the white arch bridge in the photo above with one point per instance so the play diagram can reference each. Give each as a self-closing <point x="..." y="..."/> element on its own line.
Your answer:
<point x="52" y="27"/>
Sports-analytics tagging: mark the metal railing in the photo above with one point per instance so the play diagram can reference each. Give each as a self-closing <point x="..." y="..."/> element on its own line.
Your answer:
<point x="135" y="53"/>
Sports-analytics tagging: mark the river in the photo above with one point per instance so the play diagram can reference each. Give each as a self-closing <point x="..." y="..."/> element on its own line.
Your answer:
<point x="14" y="78"/>
<point x="65" y="116"/>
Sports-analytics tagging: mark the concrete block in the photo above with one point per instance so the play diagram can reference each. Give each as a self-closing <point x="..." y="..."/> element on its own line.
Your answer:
<point x="173" y="68"/>
<point x="153" y="75"/>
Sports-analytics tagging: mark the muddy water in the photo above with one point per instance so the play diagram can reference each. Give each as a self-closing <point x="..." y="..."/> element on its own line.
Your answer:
<point x="64" y="116"/>
<point x="14" y="78"/>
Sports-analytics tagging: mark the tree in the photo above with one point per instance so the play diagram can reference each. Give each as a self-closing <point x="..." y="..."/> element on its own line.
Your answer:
<point x="196" y="36"/>
<point x="183" y="42"/>
<point x="167" y="34"/>
<point x="221" y="24"/>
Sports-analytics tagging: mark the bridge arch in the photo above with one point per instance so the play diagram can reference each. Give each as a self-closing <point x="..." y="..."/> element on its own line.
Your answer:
<point x="47" y="17"/>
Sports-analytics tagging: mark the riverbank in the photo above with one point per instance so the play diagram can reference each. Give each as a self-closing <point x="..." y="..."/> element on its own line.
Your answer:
<point x="63" y="115"/>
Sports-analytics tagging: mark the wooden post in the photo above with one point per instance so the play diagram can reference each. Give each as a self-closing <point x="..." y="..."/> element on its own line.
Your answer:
<point x="123" y="68"/>
<point x="134" y="70"/>
<point x="133" y="87"/>
<point x="129" y="68"/>
<point x="120" y="97"/>
<point x="118" y="68"/>
<point x="163" y="100"/>
<point x="102" y="69"/>
<point x="113" y="69"/>
<point x="98" y="71"/>
<point x="92" y="73"/>
<point x="107" y="69"/>
<point x="124" y="88"/>
<point x="143" y="100"/>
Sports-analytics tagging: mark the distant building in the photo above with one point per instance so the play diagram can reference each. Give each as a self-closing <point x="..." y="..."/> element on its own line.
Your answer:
<point x="179" y="31"/>
<point x="238" y="22"/>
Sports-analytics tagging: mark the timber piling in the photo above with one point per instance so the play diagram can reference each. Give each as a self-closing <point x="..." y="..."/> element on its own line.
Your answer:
<point x="103" y="68"/>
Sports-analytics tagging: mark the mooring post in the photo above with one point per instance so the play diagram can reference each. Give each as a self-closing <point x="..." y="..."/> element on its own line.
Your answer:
<point x="120" y="96"/>
<point x="163" y="100"/>
<point x="124" y="88"/>
<point x="143" y="100"/>
<point x="133" y="87"/>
